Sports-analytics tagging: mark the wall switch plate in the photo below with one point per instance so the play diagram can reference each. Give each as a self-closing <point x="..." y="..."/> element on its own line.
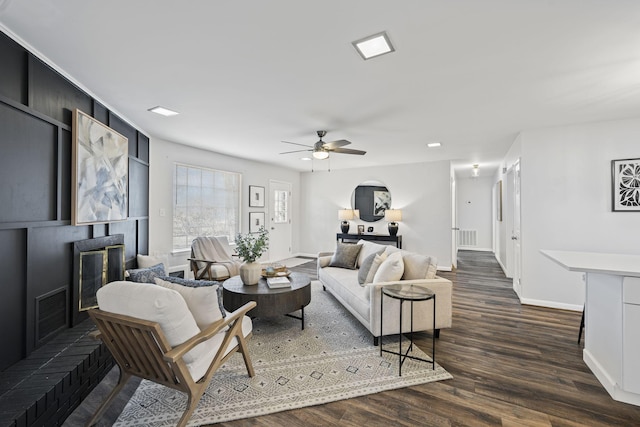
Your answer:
<point x="162" y="212"/>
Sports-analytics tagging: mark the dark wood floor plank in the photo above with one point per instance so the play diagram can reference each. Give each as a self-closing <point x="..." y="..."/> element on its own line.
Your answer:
<point x="513" y="365"/>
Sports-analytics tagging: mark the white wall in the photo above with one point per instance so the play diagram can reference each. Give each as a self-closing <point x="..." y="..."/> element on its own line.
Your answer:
<point x="566" y="204"/>
<point x="475" y="208"/>
<point x="163" y="156"/>
<point x="421" y="190"/>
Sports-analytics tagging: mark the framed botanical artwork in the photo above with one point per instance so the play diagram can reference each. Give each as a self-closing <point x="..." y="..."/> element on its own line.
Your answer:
<point x="100" y="161"/>
<point x="625" y="180"/>
<point x="256" y="221"/>
<point x="256" y="196"/>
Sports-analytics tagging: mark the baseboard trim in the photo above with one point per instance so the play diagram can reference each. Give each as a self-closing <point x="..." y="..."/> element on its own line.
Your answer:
<point x="551" y="304"/>
<point x="474" y="248"/>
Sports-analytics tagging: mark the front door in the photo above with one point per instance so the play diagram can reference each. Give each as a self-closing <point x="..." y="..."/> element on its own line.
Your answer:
<point x="280" y="221"/>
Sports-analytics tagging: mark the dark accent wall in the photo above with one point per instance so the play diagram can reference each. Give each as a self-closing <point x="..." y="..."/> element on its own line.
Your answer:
<point x="36" y="235"/>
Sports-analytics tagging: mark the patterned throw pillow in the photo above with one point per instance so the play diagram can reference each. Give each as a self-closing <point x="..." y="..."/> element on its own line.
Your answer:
<point x="146" y="275"/>
<point x="191" y="283"/>
<point x="345" y="256"/>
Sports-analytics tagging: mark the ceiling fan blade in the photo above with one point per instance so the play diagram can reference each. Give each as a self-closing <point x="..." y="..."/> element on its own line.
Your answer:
<point x="296" y="151"/>
<point x="335" y="144"/>
<point x="295" y="143"/>
<point x="348" y="151"/>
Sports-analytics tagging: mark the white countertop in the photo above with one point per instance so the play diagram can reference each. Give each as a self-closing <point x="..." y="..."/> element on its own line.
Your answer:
<point x="592" y="262"/>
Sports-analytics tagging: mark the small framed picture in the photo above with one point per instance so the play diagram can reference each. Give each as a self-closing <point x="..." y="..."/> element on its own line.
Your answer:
<point x="256" y="221"/>
<point x="360" y="229"/>
<point x="625" y="180"/>
<point x="256" y="196"/>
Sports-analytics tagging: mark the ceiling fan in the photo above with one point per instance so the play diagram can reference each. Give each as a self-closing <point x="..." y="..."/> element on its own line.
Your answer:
<point x="320" y="150"/>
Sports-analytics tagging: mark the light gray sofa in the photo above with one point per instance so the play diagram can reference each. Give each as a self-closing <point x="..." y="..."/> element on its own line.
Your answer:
<point x="363" y="301"/>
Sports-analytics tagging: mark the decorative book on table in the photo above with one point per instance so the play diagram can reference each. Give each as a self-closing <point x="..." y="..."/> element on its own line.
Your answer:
<point x="278" y="282"/>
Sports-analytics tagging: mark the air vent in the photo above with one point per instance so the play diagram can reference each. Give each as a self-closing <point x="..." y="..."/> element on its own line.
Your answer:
<point x="467" y="237"/>
<point x="51" y="313"/>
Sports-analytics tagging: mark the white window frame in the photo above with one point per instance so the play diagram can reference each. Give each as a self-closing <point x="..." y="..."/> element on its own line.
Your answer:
<point x="212" y="208"/>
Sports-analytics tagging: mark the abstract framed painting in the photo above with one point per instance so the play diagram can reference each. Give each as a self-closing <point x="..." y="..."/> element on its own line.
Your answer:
<point x="625" y="180"/>
<point x="100" y="161"/>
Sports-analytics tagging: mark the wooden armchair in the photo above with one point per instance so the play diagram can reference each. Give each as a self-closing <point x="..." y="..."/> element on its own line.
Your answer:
<point x="142" y="348"/>
<point x="212" y="259"/>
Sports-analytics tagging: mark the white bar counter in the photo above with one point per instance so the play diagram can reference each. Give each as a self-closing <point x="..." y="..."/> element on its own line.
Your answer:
<point x="612" y="318"/>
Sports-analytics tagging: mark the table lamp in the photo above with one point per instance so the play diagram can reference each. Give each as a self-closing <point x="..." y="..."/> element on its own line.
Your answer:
<point x="393" y="215"/>
<point x="345" y="215"/>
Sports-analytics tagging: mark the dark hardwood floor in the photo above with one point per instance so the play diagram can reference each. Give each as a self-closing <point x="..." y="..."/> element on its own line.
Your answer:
<point x="513" y="365"/>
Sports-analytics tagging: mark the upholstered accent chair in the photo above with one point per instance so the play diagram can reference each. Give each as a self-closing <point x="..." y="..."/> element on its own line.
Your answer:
<point x="213" y="259"/>
<point x="153" y="333"/>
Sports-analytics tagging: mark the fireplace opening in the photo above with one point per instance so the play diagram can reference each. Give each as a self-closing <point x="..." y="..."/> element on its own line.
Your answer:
<point x="97" y="262"/>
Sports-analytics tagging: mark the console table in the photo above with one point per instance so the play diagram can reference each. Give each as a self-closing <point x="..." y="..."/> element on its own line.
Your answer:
<point x="376" y="237"/>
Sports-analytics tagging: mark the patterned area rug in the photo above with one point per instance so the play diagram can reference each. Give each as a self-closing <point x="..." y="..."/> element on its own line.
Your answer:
<point x="332" y="359"/>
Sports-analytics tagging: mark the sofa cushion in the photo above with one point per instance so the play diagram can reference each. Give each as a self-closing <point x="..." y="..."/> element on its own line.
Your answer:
<point x="377" y="262"/>
<point x="415" y="266"/>
<point x="391" y="269"/>
<point x="345" y="256"/>
<point x="203" y="302"/>
<point x="364" y="268"/>
<point x="156" y="304"/>
<point x="343" y="283"/>
<point x="368" y="248"/>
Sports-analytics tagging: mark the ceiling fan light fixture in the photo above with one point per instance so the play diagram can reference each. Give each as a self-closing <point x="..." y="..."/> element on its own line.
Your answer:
<point x="320" y="154"/>
<point x="374" y="45"/>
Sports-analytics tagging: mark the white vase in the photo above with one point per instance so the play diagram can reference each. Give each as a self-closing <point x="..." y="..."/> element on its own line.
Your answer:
<point x="250" y="272"/>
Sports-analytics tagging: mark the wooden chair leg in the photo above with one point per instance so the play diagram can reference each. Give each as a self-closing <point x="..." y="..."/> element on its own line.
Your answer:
<point x="245" y="355"/>
<point x="122" y="381"/>
<point x="193" y="399"/>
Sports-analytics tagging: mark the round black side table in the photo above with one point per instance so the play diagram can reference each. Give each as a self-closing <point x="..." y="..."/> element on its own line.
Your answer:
<point x="409" y="293"/>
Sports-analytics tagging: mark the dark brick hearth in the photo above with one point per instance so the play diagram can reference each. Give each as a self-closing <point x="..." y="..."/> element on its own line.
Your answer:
<point x="45" y="388"/>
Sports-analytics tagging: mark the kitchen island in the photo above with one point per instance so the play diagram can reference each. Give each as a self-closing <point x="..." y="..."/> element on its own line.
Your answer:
<point x="612" y="318"/>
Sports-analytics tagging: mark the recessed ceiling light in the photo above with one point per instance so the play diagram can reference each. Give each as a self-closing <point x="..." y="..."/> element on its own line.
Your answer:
<point x="372" y="46"/>
<point x="434" y="144"/>
<point x="163" y="111"/>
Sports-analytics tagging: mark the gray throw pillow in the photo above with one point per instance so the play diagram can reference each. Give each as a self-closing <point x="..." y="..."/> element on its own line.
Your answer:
<point x="345" y="256"/>
<point x="366" y="266"/>
<point x="146" y="275"/>
<point x="191" y="283"/>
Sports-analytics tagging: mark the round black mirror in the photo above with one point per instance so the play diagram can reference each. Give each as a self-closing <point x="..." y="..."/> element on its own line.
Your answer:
<point x="371" y="198"/>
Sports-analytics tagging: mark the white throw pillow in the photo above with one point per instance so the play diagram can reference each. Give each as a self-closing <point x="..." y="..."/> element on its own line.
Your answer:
<point x="202" y="301"/>
<point x="147" y="261"/>
<point x="375" y="266"/>
<point x="157" y="304"/>
<point x="391" y="269"/>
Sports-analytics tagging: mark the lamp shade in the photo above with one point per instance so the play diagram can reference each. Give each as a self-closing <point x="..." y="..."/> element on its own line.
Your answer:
<point x="345" y="214"/>
<point x="393" y="215"/>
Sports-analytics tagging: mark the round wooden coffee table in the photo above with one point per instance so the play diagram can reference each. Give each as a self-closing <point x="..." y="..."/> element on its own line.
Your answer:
<point x="271" y="302"/>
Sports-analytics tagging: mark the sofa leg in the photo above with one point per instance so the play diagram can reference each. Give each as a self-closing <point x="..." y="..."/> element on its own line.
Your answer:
<point x="436" y="333"/>
<point x="324" y="288"/>
<point x="375" y="341"/>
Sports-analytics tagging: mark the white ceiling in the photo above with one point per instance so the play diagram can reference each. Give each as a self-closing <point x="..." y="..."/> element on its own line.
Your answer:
<point x="247" y="74"/>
